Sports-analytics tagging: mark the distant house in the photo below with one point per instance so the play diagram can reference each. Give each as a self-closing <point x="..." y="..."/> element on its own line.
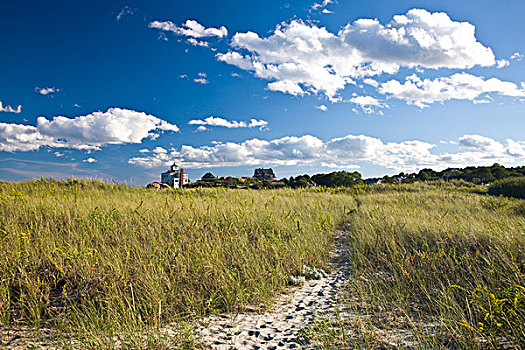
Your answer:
<point x="264" y="174"/>
<point x="173" y="177"/>
<point x="207" y="177"/>
<point x="374" y="181"/>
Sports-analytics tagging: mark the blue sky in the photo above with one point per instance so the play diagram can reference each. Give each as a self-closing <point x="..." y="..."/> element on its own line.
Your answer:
<point x="119" y="90"/>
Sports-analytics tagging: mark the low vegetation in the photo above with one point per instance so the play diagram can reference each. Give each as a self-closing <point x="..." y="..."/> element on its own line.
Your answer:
<point x="511" y="187"/>
<point x="434" y="266"/>
<point x="102" y="261"/>
<point x="472" y="174"/>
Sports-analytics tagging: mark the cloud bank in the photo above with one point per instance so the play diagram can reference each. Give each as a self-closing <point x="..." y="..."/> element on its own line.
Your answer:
<point x="301" y="58"/>
<point x="92" y="131"/>
<point x="190" y="28"/>
<point x="409" y="155"/>
<point x="460" y="86"/>
<point x="230" y="124"/>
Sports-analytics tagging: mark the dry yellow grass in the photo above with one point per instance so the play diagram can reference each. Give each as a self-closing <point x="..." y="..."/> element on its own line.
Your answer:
<point x="436" y="261"/>
<point x="101" y="260"/>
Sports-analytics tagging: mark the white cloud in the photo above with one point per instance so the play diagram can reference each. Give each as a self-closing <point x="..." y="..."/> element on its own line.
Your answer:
<point x="460" y="86"/>
<point x="516" y="56"/>
<point x="190" y="28"/>
<point x="202" y="74"/>
<point x="159" y="149"/>
<point x="301" y="58"/>
<point x="502" y="63"/>
<point x="322" y="4"/>
<point x="345" y="166"/>
<point x="89" y="160"/>
<point x="58" y="154"/>
<point x="341" y="152"/>
<point x="322" y="107"/>
<point x="367" y="104"/>
<point x="115" y="126"/>
<point x="126" y="11"/>
<point x="201" y="81"/>
<point x="286" y="86"/>
<point x="9" y="109"/>
<point x="46" y="91"/>
<point x="365" y="101"/>
<point x="230" y="124"/>
<point x="196" y="42"/>
<point x="482" y="101"/>
<point x="481" y="143"/>
<point x="326" y="11"/>
<point x="371" y="82"/>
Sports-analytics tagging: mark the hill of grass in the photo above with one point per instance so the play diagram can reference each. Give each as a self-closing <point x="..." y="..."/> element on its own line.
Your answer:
<point x="98" y="260"/>
<point x="441" y="263"/>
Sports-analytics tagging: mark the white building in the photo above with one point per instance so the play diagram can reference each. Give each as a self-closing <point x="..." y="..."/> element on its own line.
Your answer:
<point x="172" y="177"/>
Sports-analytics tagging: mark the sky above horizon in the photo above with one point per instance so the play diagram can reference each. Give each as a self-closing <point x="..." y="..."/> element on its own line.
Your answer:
<point x="119" y="90"/>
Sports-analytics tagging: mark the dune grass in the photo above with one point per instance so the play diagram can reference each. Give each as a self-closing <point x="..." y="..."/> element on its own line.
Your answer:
<point x="434" y="266"/>
<point x="109" y="263"/>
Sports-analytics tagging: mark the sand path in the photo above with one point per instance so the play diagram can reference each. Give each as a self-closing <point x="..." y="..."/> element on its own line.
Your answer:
<point x="279" y="328"/>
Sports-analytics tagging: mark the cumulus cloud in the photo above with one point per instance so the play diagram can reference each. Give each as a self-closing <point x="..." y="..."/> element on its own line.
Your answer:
<point x="322" y="4"/>
<point x="46" y="91"/>
<point x="408" y="155"/>
<point x="371" y="82"/>
<point x="196" y="42"/>
<point x="201" y="81"/>
<point x="502" y="63"/>
<point x="90" y="160"/>
<point x="115" y="126"/>
<point x="368" y="104"/>
<point x="516" y="56"/>
<point x="301" y="58"/>
<point x="460" y="86"/>
<point x="481" y="143"/>
<point x="322" y="108"/>
<point x="230" y="124"/>
<point x="284" y="151"/>
<point x="9" y="109"/>
<point x="365" y="101"/>
<point x="190" y="28"/>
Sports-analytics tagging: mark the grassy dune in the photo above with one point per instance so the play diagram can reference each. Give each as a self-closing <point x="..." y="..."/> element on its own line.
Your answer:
<point x="438" y="260"/>
<point x="101" y="260"/>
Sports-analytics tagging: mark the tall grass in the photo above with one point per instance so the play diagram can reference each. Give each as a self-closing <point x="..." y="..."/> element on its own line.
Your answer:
<point x="101" y="261"/>
<point x="445" y="264"/>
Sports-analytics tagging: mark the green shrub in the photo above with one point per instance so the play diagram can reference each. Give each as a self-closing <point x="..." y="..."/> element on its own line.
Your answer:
<point x="511" y="187"/>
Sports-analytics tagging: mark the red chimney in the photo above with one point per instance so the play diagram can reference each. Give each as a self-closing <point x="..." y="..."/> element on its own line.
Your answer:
<point x="181" y="177"/>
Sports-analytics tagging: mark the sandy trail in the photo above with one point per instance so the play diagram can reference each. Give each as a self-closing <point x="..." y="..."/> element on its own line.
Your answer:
<point x="279" y="327"/>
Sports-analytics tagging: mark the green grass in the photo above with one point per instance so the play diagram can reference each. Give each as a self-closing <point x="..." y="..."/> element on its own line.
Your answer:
<point x="97" y="261"/>
<point x="442" y="263"/>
